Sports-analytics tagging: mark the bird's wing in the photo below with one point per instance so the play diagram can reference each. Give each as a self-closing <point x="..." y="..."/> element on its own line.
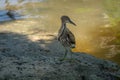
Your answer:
<point x="71" y="37"/>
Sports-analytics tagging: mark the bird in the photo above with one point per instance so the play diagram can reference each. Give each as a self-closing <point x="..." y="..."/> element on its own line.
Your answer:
<point x="11" y="15"/>
<point x="65" y="36"/>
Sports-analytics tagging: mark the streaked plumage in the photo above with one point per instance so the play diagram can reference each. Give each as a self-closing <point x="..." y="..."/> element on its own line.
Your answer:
<point x="65" y="36"/>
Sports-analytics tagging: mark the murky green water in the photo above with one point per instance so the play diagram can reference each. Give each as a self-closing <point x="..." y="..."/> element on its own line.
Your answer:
<point x="91" y="16"/>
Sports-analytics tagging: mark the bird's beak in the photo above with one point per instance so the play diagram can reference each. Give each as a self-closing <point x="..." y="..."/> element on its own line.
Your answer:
<point x="72" y="23"/>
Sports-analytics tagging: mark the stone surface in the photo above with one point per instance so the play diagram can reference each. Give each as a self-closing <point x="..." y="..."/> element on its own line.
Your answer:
<point x="23" y="59"/>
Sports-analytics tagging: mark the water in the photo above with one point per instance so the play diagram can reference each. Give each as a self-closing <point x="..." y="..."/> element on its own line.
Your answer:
<point x="89" y="15"/>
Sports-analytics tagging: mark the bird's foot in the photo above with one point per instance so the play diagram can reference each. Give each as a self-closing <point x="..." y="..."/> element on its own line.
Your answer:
<point x="67" y="59"/>
<point x="62" y="59"/>
<point x="72" y="60"/>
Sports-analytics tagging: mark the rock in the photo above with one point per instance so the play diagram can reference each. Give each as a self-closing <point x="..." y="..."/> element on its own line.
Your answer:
<point x="29" y="60"/>
<point x="94" y="77"/>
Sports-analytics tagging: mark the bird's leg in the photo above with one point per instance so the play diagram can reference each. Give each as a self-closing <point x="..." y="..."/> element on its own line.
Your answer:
<point x="66" y="51"/>
<point x="71" y="53"/>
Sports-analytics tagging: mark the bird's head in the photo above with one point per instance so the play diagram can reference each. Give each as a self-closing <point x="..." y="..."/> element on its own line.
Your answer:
<point x="66" y="19"/>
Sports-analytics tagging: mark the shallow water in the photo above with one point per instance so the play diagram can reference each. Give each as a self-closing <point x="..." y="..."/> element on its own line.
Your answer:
<point x="89" y="15"/>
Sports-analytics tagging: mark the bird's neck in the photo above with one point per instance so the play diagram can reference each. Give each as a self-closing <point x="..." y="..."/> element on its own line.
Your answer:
<point x="63" y="26"/>
<point x="62" y="29"/>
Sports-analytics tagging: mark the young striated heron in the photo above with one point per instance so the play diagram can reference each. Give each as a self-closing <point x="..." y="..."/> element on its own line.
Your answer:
<point x="65" y="36"/>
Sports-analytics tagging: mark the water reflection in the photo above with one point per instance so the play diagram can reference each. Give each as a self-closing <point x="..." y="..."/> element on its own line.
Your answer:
<point x="4" y="3"/>
<point x="89" y="15"/>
